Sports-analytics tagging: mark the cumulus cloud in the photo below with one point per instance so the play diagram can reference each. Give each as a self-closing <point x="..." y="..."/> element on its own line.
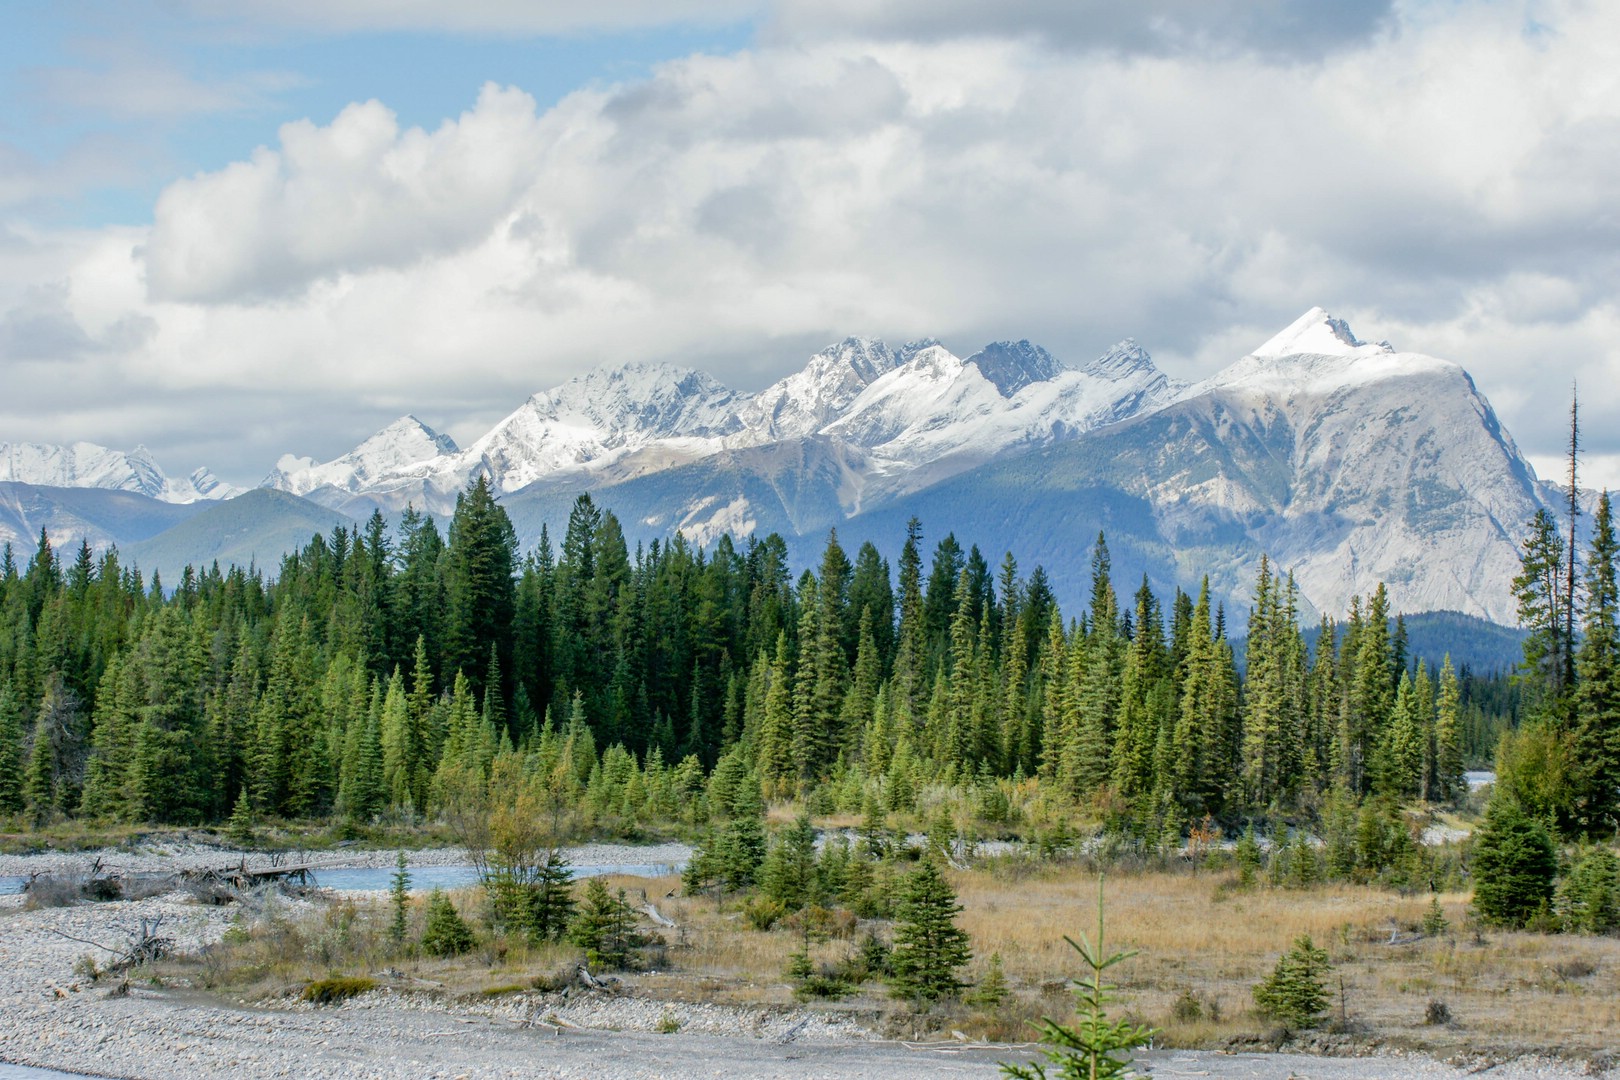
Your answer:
<point x="356" y="194"/>
<point x="1443" y="182"/>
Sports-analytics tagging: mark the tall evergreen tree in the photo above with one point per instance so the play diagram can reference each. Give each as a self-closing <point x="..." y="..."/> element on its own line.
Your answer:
<point x="480" y="587"/>
<point x="11" y="751"/>
<point x="1595" y="760"/>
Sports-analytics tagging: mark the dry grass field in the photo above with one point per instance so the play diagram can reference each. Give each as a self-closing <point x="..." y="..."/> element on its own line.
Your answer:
<point x="1201" y="945"/>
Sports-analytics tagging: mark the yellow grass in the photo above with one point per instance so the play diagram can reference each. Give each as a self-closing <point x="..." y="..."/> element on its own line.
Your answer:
<point x="1198" y="940"/>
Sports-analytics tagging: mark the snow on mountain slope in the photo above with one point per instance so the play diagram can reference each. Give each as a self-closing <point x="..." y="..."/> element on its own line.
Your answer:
<point x="405" y="443"/>
<point x="1377" y="465"/>
<point x="601" y="414"/>
<point x="920" y="411"/>
<point x="937" y="415"/>
<point x="86" y="465"/>
<point x="810" y="399"/>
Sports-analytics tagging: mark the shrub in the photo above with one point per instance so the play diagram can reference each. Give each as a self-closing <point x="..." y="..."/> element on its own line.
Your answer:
<point x="826" y="981"/>
<point x="1295" y="992"/>
<point x="1514" y="865"/>
<point x="763" y="912"/>
<point x="336" y="989"/>
<point x="447" y="933"/>
<point x="1589" y="898"/>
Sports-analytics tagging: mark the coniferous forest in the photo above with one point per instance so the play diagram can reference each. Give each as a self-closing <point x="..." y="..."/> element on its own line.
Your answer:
<point x="382" y="673"/>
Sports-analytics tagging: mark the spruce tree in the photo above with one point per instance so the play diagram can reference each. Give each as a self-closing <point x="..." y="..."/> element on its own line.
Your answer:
<point x="929" y="948"/>
<point x="1514" y="865"/>
<point x="1094" y="1048"/>
<point x="1595" y="754"/>
<point x="11" y="751"/>
<point x="788" y="874"/>
<point x="445" y="932"/>
<point x="1296" y="990"/>
<point x="399" y="900"/>
<point x="480" y="588"/>
<point x="240" y="827"/>
<point x="1450" y="784"/>
<point x="1588" y="900"/>
<point x="605" y="927"/>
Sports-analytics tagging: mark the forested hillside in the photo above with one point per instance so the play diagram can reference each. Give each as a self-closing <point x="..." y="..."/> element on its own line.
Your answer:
<point x="388" y="677"/>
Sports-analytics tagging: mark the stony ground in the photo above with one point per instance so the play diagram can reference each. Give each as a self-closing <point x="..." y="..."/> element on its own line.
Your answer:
<point x="50" y="1015"/>
<point x="194" y="855"/>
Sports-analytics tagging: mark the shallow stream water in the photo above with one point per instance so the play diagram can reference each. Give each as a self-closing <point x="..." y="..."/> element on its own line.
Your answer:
<point x="423" y="878"/>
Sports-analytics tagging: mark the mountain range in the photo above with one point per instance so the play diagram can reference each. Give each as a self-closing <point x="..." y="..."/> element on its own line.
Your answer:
<point x="1348" y="462"/>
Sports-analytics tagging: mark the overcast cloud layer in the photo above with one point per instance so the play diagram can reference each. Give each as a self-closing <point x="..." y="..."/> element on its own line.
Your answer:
<point x="1442" y="175"/>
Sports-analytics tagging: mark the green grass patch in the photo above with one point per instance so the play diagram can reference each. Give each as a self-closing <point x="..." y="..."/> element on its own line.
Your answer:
<point x="337" y="989"/>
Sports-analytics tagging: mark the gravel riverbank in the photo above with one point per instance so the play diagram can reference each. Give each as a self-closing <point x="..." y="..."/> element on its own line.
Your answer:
<point x="51" y="1016"/>
<point x="159" y="858"/>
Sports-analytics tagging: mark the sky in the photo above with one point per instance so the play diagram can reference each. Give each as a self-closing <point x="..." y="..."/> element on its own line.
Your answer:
<point x="234" y="229"/>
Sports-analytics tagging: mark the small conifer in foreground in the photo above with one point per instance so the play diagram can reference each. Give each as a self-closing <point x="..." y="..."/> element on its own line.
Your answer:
<point x="240" y="826"/>
<point x="1514" y="864"/>
<point x="447" y="933"/>
<point x="1095" y="1048"/>
<point x="1295" y="992"/>
<point x="605" y="928"/>
<point x="929" y="947"/>
<point x="399" y="898"/>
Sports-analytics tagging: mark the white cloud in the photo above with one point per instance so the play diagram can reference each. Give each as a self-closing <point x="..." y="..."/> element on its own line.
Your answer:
<point x="1449" y="189"/>
<point x="356" y="194"/>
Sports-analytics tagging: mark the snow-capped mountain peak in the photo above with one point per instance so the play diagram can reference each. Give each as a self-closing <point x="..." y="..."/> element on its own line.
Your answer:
<point x="1013" y="365"/>
<point x="87" y="465"/>
<point x="1316" y="333"/>
<point x="809" y="399"/>
<point x="405" y="443"/>
<point x="659" y="399"/>
<point x="1123" y="361"/>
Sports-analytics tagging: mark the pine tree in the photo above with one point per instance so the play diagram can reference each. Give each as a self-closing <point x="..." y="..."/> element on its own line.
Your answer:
<point x="1096" y="1047"/>
<point x="1595" y="757"/>
<point x="605" y="927"/>
<point x="1514" y="864"/>
<point x="1296" y="990"/>
<point x="399" y="900"/>
<point x="11" y="751"/>
<point x="446" y="933"/>
<point x="929" y="948"/>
